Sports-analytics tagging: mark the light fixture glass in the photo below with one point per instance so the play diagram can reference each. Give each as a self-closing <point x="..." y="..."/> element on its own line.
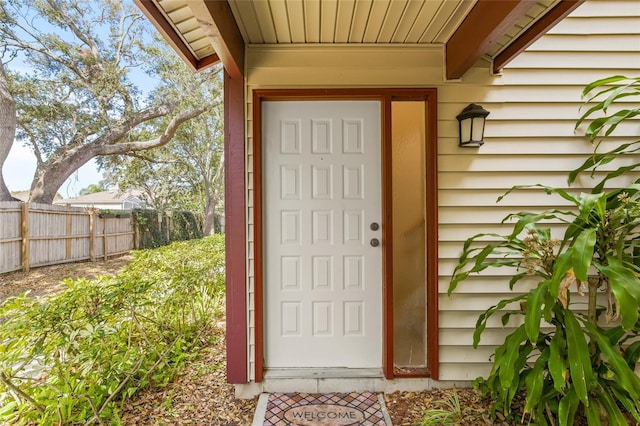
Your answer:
<point x="471" y="122"/>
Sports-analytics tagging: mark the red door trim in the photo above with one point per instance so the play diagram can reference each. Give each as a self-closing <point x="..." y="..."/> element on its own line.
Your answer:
<point x="257" y="237"/>
<point x="431" y="209"/>
<point x="385" y="95"/>
<point x="387" y="242"/>
<point x="235" y="230"/>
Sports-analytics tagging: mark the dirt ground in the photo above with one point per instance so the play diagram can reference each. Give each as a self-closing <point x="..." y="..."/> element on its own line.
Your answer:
<point x="200" y="395"/>
<point x="48" y="279"/>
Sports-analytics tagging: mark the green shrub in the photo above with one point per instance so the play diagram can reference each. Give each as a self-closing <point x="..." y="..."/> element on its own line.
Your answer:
<point x="185" y="226"/>
<point x="155" y="229"/>
<point x="74" y="357"/>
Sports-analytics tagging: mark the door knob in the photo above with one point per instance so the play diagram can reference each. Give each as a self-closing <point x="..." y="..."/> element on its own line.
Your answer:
<point x="374" y="226"/>
<point x="374" y="242"/>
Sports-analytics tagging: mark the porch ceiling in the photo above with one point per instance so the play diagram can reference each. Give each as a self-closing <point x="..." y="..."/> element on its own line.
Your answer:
<point x="207" y="31"/>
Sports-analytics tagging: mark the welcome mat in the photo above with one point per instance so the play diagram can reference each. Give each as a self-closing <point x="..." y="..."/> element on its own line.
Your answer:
<point x="328" y="409"/>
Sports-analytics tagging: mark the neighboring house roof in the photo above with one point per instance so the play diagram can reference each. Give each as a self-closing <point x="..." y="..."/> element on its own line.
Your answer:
<point x="207" y="32"/>
<point x="111" y="197"/>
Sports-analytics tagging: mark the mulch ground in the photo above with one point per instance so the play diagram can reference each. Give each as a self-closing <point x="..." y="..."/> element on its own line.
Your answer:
<point x="200" y="394"/>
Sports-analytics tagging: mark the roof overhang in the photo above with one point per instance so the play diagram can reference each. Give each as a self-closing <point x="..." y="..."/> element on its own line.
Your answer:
<point x="205" y="32"/>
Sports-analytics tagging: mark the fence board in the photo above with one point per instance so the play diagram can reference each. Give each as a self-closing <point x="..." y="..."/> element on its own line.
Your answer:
<point x="41" y="234"/>
<point x="10" y="236"/>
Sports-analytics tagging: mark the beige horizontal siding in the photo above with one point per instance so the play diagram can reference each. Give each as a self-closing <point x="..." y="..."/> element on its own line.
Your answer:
<point x="560" y="60"/>
<point x="460" y="232"/>
<point x="512" y="163"/>
<point x="469" y="372"/>
<point x="528" y="145"/>
<point x="488" y="198"/>
<point x="608" y="8"/>
<point x="555" y="77"/>
<point x="484" y="284"/>
<point x="464" y="337"/>
<point x="612" y="43"/>
<point x="461" y="355"/>
<point x="475" y="302"/>
<point x="466" y="319"/>
<point x="480" y="215"/>
<point x="593" y="24"/>
<point x="530" y="139"/>
<point x="498" y="179"/>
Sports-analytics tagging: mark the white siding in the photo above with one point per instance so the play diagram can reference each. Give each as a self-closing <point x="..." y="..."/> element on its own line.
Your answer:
<point x="530" y="139"/>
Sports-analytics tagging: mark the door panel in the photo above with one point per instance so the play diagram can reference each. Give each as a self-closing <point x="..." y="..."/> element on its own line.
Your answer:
<point x="323" y="285"/>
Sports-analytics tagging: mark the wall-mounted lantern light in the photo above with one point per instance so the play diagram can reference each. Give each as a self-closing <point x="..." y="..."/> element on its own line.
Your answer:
<point x="471" y="121"/>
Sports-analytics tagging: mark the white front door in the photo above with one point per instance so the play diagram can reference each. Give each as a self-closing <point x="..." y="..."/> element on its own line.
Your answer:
<point x="322" y="205"/>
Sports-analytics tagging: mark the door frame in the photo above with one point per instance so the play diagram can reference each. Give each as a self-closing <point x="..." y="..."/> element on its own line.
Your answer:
<point x="385" y="96"/>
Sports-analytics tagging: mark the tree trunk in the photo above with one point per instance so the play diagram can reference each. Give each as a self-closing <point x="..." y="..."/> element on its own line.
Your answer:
<point x="7" y="129"/>
<point x="213" y="192"/>
<point x="209" y="216"/>
<point x="50" y="176"/>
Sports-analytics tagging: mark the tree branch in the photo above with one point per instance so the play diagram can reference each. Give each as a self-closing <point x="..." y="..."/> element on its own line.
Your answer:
<point x="169" y="132"/>
<point x="20" y="392"/>
<point x="14" y="40"/>
<point x="69" y="22"/>
<point x="32" y="141"/>
<point x="119" y="131"/>
<point x="143" y="157"/>
<point x="125" y="30"/>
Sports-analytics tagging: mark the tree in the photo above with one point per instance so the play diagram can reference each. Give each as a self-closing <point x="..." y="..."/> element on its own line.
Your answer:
<point x="78" y="100"/>
<point x="7" y="129"/>
<point x="184" y="175"/>
<point x="202" y="144"/>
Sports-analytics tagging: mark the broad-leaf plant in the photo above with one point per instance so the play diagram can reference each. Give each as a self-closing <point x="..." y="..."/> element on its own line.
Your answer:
<point x="576" y="342"/>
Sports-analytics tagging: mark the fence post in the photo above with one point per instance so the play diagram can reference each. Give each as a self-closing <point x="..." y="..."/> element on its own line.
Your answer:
<point x="25" y="237"/>
<point x="116" y="222"/>
<point x="69" y="231"/>
<point x="136" y="230"/>
<point x="169" y="226"/>
<point x="92" y="236"/>
<point x="104" y="237"/>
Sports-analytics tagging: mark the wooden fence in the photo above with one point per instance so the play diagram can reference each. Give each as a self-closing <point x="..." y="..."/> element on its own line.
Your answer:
<point x="40" y="234"/>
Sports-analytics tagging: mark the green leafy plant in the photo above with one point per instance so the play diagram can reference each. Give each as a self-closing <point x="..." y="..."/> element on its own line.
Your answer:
<point x="448" y="412"/>
<point x="75" y="357"/>
<point x="576" y="345"/>
<point x="603" y="94"/>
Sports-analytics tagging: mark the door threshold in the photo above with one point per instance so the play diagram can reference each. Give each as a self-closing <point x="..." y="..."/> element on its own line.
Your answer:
<point x="322" y="373"/>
